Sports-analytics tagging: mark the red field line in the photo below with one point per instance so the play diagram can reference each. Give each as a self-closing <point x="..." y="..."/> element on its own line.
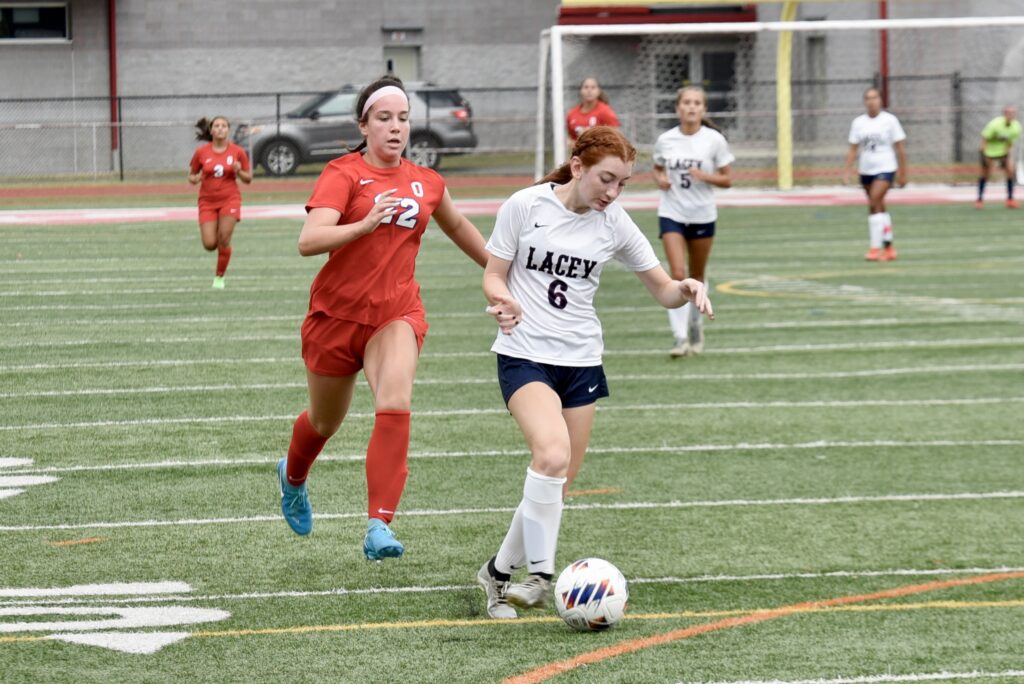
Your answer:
<point x="545" y="672"/>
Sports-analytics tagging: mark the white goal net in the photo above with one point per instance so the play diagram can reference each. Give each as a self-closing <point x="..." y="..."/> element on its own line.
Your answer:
<point x="786" y="92"/>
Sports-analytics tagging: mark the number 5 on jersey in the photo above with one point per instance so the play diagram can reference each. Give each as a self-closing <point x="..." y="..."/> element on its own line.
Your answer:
<point x="407" y="218"/>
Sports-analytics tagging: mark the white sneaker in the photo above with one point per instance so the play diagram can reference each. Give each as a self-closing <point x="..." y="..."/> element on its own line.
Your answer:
<point x="497" y="605"/>
<point x="682" y="348"/>
<point x="532" y="592"/>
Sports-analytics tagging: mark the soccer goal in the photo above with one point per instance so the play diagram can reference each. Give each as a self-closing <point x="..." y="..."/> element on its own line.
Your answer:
<point x="785" y="92"/>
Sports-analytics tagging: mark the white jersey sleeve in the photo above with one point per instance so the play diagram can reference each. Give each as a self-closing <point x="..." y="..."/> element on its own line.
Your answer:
<point x="504" y="240"/>
<point x="634" y="251"/>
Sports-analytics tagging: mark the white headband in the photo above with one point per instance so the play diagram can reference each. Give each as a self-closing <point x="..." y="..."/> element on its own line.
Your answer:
<point x="383" y="92"/>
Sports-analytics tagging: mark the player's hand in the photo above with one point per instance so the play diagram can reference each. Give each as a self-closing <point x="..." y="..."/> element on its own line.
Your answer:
<point x="697" y="174"/>
<point x="901" y="179"/>
<point x="696" y="292"/>
<point x="385" y="206"/>
<point x="845" y="180"/>
<point x="195" y="178"/>
<point x="663" y="183"/>
<point x="237" y="168"/>
<point x="506" y="312"/>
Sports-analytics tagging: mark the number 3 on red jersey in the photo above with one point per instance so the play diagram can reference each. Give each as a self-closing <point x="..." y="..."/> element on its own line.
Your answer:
<point x="408" y="208"/>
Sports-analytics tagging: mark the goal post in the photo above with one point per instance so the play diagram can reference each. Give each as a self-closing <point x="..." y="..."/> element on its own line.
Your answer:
<point x="786" y="91"/>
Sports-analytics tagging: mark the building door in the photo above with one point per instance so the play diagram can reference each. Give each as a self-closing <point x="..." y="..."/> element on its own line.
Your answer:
<point x="404" y="61"/>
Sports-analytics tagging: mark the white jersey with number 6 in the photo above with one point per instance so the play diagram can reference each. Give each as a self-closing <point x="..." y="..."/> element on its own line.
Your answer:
<point x="876" y="136"/>
<point x="557" y="257"/>
<point x="690" y="200"/>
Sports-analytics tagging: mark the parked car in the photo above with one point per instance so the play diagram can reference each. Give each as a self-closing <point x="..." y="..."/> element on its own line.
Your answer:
<point x="325" y="127"/>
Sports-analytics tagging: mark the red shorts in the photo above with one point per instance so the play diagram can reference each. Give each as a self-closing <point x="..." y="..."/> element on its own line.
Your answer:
<point x="210" y="211"/>
<point x="335" y="347"/>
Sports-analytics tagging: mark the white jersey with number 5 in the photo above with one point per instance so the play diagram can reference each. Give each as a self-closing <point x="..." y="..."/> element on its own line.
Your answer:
<point x="876" y="136"/>
<point x="690" y="200"/>
<point x="557" y="257"/>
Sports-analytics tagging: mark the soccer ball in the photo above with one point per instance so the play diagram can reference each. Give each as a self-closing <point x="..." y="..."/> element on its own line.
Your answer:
<point x="591" y="594"/>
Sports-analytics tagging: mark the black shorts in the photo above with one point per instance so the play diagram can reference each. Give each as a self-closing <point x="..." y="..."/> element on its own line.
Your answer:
<point x="867" y="180"/>
<point x="997" y="161"/>
<point x="574" y="385"/>
<point x="689" y="231"/>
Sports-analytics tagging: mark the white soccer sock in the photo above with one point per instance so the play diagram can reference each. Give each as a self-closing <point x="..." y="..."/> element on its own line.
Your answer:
<point x="886" y="227"/>
<point x="512" y="553"/>
<point x="542" y="516"/>
<point x="876" y="224"/>
<point x="678" y="320"/>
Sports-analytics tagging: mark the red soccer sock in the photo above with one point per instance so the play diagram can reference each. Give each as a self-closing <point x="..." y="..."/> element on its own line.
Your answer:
<point x="306" y="445"/>
<point x="223" y="257"/>
<point x="387" y="463"/>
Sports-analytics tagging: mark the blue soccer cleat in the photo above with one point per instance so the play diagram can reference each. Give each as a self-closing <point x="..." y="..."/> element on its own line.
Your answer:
<point x="295" y="506"/>
<point x="380" y="541"/>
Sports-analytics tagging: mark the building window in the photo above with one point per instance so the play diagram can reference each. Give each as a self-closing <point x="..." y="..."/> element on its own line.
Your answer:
<point x="43" y="21"/>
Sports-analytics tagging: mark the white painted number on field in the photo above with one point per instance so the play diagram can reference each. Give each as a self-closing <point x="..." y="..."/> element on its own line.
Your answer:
<point x="12" y="485"/>
<point x="113" y="627"/>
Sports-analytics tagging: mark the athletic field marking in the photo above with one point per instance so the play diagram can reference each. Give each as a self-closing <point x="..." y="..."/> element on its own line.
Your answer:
<point x="886" y="678"/>
<point x="618" y="506"/>
<point x="78" y="542"/>
<point x="652" y="328"/>
<point x="270" y="459"/>
<point x="545" y="672"/>
<point x="420" y="414"/>
<point x="551" y="619"/>
<point x="766" y="349"/>
<point x="111" y="589"/>
<point x="594" y="492"/>
<point x="644" y="377"/>
<point x="342" y="591"/>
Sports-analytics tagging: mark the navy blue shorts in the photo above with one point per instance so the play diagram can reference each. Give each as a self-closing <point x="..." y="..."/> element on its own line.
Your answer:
<point x="575" y="386"/>
<point x="689" y="231"/>
<point x="888" y="176"/>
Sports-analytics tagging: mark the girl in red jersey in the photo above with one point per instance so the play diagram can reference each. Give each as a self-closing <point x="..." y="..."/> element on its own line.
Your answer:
<point x="592" y="110"/>
<point x="369" y="212"/>
<point x="215" y="166"/>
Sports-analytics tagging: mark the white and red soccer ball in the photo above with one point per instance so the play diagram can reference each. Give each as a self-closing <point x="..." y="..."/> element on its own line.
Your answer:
<point x="591" y="594"/>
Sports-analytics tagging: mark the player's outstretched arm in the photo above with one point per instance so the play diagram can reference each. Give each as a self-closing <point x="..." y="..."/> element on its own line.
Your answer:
<point x="460" y="230"/>
<point x="901" y="159"/>
<point x="672" y="294"/>
<point x="501" y="304"/>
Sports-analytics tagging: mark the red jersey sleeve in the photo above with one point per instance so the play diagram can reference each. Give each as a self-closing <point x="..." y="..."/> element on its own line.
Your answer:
<point x="333" y="189"/>
<point x="196" y="162"/>
<point x="608" y="117"/>
<point x="242" y="156"/>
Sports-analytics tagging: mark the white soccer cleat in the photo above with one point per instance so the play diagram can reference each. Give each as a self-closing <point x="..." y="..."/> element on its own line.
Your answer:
<point x="532" y="592"/>
<point x="682" y="348"/>
<point x="497" y="604"/>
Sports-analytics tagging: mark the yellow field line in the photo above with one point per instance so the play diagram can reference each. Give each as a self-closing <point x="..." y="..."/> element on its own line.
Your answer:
<point x="684" y="614"/>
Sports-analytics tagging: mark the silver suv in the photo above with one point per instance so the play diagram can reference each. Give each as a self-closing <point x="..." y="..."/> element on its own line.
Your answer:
<point x="325" y="127"/>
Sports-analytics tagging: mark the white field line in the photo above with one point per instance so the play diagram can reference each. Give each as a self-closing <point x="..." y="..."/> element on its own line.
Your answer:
<point x="343" y="591"/>
<point x="645" y="377"/>
<point x="620" y="506"/>
<point x="443" y="413"/>
<point x="883" y="678"/>
<point x="766" y="349"/>
<point x="270" y="459"/>
<point x="293" y="336"/>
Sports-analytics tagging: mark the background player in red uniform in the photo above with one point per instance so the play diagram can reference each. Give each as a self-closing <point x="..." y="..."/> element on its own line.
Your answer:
<point x="216" y="165"/>
<point x="592" y="110"/>
<point x="369" y="212"/>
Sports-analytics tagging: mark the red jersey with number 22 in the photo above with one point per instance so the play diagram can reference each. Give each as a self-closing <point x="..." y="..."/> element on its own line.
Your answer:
<point x="371" y="280"/>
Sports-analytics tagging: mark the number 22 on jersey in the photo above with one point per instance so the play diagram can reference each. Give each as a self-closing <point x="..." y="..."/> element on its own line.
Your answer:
<point x="408" y="208"/>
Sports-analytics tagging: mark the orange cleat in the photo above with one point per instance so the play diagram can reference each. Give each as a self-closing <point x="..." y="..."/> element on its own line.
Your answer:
<point x="888" y="254"/>
<point x="1012" y="204"/>
<point x="874" y="254"/>
<point x="978" y="204"/>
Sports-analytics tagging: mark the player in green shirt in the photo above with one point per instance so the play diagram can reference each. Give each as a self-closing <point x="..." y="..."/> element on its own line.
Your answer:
<point x="996" y="149"/>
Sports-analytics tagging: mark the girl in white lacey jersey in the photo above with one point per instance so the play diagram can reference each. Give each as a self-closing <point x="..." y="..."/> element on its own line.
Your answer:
<point x="689" y="161"/>
<point x="876" y="139"/>
<point x="549" y="245"/>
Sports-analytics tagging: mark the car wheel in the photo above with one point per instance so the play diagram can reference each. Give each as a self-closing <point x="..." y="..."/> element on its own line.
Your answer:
<point x="423" y="150"/>
<point x="280" y="158"/>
